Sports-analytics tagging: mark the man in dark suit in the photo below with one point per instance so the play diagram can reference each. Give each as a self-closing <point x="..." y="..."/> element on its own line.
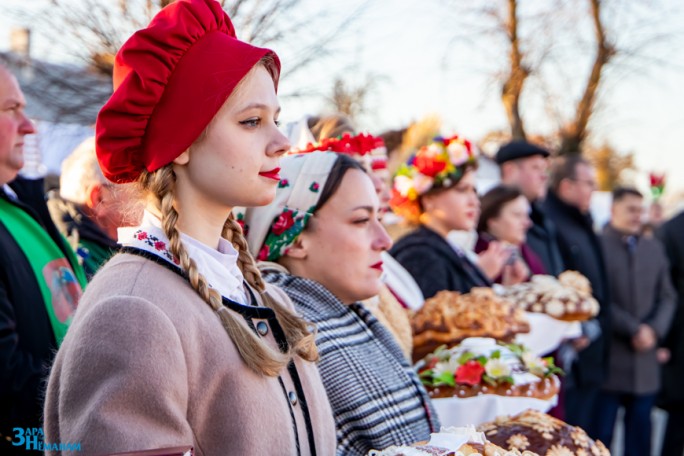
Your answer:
<point x="40" y="279"/>
<point x="573" y="182"/>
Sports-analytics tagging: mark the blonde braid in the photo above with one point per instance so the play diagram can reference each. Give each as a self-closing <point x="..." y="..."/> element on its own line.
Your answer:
<point x="300" y="339"/>
<point x="255" y="353"/>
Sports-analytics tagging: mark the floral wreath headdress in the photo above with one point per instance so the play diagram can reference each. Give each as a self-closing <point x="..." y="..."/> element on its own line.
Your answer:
<point x="367" y="149"/>
<point x="440" y="164"/>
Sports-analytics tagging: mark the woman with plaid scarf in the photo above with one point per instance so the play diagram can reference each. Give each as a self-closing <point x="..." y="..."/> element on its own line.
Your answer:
<point x="321" y="242"/>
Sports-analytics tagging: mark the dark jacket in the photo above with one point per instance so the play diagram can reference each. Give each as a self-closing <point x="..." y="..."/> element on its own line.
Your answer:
<point x="92" y="244"/>
<point x="27" y="342"/>
<point x="542" y="239"/>
<point x="672" y="394"/>
<point x="581" y="251"/>
<point x="641" y="292"/>
<point x="435" y="265"/>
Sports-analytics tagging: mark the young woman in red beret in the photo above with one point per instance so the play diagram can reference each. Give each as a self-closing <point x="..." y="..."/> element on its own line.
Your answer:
<point x="178" y="341"/>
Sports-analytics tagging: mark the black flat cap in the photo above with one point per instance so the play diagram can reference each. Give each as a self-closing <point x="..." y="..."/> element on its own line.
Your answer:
<point x="518" y="149"/>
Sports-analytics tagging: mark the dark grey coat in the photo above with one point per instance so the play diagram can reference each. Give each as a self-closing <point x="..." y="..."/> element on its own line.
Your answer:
<point x="581" y="251"/>
<point x="542" y="238"/>
<point x="641" y="292"/>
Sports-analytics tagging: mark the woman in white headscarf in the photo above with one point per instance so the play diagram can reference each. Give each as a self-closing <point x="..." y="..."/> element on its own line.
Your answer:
<point x="323" y="240"/>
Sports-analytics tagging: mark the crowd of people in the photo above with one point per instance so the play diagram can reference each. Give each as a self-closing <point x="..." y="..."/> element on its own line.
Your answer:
<point x="202" y="280"/>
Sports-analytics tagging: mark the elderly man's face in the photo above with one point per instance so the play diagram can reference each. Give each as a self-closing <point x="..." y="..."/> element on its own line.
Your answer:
<point x="14" y="125"/>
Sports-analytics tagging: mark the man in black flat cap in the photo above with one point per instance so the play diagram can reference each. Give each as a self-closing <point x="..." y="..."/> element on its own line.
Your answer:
<point x="524" y="165"/>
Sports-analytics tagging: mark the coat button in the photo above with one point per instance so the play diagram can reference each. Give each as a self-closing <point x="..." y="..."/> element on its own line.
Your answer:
<point x="293" y="397"/>
<point x="262" y="328"/>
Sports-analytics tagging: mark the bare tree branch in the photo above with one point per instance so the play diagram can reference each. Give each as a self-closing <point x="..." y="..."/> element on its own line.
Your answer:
<point x="576" y="132"/>
<point x="513" y="85"/>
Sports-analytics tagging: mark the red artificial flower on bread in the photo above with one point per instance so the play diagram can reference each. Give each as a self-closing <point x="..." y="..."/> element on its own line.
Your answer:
<point x="470" y="373"/>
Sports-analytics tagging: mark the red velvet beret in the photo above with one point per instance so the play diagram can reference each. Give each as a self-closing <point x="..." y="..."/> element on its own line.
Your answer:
<point x="170" y="79"/>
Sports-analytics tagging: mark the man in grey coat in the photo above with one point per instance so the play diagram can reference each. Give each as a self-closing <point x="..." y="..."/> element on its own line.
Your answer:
<point x="643" y="302"/>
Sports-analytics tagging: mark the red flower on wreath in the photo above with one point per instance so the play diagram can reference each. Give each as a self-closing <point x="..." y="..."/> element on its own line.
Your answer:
<point x="470" y="373"/>
<point x="428" y="165"/>
<point x="283" y="223"/>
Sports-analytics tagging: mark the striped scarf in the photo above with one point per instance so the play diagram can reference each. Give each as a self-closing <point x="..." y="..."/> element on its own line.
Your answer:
<point x="376" y="396"/>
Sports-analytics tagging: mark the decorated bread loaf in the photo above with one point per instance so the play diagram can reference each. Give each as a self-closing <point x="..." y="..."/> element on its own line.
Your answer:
<point x="567" y="298"/>
<point x="542" y="434"/>
<point x="452" y="441"/>
<point x="450" y="317"/>
<point x="484" y="366"/>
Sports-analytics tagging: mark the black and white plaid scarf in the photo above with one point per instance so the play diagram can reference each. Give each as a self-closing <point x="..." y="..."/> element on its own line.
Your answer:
<point x="376" y="396"/>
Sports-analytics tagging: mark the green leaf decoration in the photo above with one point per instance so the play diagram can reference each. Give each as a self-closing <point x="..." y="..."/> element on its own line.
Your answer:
<point x="552" y="368"/>
<point x="496" y="354"/>
<point x="506" y="379"/>
<point x="446" y="378"/>
<point x="465" y="357"/>
<point x="517" y="350"/>
<point x="426" y="377"/>
<point x="488" y="380"/>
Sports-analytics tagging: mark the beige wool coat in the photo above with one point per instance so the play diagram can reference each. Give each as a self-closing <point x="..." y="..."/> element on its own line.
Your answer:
<point x="147" y="364"/>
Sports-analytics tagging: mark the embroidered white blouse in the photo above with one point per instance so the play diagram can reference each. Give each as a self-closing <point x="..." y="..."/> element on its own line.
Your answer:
<point x="218" y="266"/>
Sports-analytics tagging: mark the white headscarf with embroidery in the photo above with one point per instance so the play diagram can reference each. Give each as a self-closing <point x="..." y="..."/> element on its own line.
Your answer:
<point x="271" y="230"/>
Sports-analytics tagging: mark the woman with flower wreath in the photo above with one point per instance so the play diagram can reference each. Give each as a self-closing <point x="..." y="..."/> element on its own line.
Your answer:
<point x="322" y="241"/>
<point x="435" y="189"/>
<point x="178" y="341"/>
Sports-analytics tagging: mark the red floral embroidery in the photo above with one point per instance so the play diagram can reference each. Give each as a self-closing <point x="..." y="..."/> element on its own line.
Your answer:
<point x="241" y="222"/>
<point x="263" y="253"/>
<point x="153" y="241"/>
<point x="470" y="373"/>
<point x="283" y="223"/>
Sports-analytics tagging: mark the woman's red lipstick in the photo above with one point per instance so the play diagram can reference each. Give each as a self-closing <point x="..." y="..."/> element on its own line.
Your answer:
<point x="377" y="266"/>
<point x="272" y="174"/>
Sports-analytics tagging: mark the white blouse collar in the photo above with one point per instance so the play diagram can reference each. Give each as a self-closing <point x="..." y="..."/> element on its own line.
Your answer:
<point x="218" y="266"/>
